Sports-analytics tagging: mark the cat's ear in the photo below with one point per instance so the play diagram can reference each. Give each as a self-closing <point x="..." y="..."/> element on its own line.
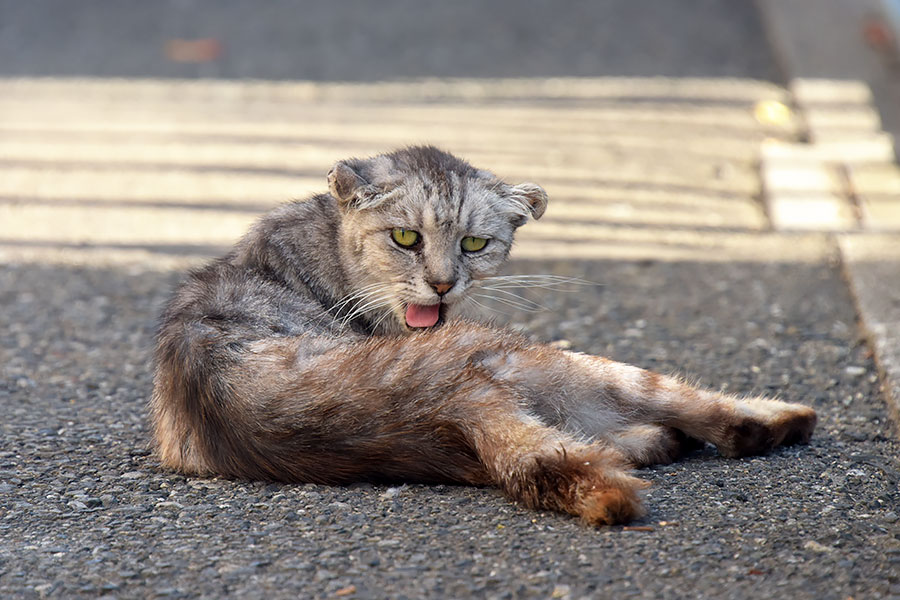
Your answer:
<point x="352" y="190"/>
<point x="344" y="183"/>
<point x="530" y="198"/>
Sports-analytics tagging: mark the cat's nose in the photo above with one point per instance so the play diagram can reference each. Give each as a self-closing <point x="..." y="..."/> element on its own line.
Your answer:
<point x="442" y="287"/>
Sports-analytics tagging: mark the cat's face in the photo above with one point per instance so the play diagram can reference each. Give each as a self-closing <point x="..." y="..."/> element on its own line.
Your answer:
<point x="419" y="226"/>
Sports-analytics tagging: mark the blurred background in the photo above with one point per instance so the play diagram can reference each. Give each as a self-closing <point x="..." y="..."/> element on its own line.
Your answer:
<point x="165" y="127"/>
<point x="356" y="40"/>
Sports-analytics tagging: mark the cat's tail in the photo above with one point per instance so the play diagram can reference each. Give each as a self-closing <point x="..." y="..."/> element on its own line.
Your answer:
<point x="199" y="423"/>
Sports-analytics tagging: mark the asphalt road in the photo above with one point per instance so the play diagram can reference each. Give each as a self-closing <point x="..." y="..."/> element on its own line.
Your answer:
<point x="690" y="282"/>
<point x="86" y="512"/>
<point x="356" y="40"/>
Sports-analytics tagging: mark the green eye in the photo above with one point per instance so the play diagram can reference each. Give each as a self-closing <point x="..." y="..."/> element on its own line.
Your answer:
<point x="473" y="244"/>
<point x="405" y="237"/>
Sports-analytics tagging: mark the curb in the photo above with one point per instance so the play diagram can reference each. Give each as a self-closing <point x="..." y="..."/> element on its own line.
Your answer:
<point x="846" y="173"/>
<point x="871" y="267"/>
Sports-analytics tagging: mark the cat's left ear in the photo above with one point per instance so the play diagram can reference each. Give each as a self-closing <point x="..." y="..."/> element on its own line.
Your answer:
<point x="530" y="197"/>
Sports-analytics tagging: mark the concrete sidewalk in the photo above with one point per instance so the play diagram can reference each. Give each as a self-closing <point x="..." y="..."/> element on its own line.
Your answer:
<point x="840" y="58"/>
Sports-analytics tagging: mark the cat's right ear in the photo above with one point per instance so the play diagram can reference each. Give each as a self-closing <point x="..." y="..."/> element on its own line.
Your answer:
<point x="352" y="190"/>
<point x="345" y="183"/>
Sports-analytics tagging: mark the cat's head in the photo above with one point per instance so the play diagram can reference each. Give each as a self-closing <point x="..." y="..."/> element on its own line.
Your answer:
<point x="419" y="226"/>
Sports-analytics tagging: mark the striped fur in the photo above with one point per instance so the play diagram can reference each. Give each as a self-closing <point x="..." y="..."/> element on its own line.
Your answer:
<point x="290" y="358"/>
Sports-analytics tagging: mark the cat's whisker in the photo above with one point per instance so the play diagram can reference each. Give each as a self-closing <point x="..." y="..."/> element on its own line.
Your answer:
<point x="544" y="277"/>
<point x="533" y="307"/>
<point x="367" y="303"/>
<point x="362" y="299"/>
<point x="511" y="285"/>
<point x="550" y="282"/>
<point x="518" y="307"/>
<point x="350" y="304"/>
<point x="387" y="313"/>
<point x="485" y="306"/>
<point x="512" y="296"/>
<point x="358" y="293"/>
<point x="361" y="292"/>
<point x="370" y="304"/>
<point x="553" y="280"/>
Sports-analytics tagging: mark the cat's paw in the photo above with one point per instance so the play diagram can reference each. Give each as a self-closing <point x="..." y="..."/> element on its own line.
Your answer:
<point x="612" y="501"/>
<point x="588" y="482"/>
<point x="762" y="425"/>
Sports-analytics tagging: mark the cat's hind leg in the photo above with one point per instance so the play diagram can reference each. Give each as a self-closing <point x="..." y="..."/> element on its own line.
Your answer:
<point x="758" y="425"/>
<point x="649" y="444"/>
<point x="736" y="426"/>
<point x="596" y="397"/>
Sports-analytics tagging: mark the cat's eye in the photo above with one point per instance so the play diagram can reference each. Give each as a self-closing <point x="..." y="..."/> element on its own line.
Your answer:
<point x="473" y="244"/>
<point x="405" y="237"/>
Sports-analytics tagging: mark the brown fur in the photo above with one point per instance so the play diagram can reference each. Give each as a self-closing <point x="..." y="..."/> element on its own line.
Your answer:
<point x="261" y="373"/>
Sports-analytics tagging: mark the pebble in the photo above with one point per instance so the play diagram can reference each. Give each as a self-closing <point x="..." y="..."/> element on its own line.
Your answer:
<point x="815" y="546"/>
<point x="323" y="575"/>
<point x="393" y="492"/>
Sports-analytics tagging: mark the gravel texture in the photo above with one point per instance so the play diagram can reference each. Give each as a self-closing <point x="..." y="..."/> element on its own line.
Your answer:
<point x="84" y="510"/>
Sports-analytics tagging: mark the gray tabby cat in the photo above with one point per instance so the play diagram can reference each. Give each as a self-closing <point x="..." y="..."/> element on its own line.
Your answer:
<point x="325" y="348"/>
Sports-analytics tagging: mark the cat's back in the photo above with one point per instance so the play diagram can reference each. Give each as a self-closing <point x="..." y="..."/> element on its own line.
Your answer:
<point x="270" y="282"/>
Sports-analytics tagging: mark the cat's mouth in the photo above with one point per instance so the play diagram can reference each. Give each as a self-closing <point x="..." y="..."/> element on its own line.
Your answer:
<point x="420" y="316"/>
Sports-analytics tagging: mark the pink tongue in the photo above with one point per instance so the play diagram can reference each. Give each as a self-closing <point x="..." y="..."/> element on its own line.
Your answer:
<point x="418" y="315"/>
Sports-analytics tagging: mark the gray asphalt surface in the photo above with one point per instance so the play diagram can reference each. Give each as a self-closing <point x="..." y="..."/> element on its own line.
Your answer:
<point x="85" y="511"/>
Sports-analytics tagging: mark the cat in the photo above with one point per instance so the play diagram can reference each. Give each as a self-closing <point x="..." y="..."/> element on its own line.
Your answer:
<point x="327" y="347"/>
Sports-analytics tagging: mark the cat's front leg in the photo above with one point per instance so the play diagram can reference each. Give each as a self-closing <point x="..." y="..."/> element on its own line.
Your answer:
<point x="544" y="468"/>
